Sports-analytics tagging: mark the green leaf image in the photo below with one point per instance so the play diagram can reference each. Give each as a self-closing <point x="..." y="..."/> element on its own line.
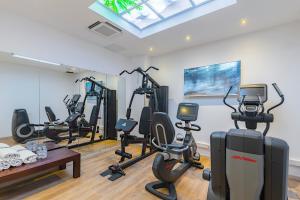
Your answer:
<point x="119" y="6"/>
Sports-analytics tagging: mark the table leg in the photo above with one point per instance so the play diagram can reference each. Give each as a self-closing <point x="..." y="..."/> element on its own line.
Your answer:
<point x="76" y="167"/>
<point x="61" y="167"/>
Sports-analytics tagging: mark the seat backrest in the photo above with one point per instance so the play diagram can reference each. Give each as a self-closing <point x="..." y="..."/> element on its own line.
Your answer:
<point x="79" y="107"/>
<point x="145" y="121"/>
<point x="94" y="116"/>
<point x="50" y="114"/>
<point x="20" y="118"/>
<point x="163" y="129"/>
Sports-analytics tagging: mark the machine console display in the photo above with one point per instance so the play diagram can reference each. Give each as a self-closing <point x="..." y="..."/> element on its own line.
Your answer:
<point x="254" y="93"/>
<point x="187" y="111"/>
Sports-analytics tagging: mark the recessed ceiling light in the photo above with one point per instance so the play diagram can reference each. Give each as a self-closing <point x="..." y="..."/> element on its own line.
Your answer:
<point x="151" y="49"/>
<point x="188" y="38"/>
<point x="243" y="22"/>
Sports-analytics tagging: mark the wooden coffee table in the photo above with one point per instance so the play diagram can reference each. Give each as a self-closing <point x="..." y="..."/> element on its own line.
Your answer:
<point x="58" y="157"/>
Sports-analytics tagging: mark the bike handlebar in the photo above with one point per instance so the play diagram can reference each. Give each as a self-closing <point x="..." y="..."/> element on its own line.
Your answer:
<point x="196" y="127"/>
<point x="277" y="89"/>
<point x="280" y="95"/>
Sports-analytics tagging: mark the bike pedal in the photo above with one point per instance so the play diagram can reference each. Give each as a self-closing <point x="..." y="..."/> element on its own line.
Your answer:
<point x="196" y="157"/>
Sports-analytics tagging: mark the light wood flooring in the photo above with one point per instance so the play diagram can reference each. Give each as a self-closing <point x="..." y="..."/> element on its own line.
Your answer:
<point x="95" y="159"/>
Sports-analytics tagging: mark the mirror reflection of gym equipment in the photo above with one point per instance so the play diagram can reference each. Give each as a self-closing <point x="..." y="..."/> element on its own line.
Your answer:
<point x="149" y="100"/>
<point x="24" y="131"/>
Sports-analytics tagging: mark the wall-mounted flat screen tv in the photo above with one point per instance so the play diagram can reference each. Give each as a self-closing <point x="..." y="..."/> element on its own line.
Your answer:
<point x="212" y="80"/>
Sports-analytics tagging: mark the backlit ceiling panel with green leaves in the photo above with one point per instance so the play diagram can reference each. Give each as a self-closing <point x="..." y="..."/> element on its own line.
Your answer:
<point x="146" y="17"/>
<point x="119" y="6"/>
<point x="143" y="13"/>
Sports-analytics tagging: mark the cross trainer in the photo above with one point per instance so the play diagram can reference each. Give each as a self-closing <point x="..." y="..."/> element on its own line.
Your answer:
<point x="245" y="163"/>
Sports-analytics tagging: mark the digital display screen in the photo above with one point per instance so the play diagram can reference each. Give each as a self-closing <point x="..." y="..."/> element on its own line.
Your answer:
<point x="187" y="112"/>
<point x="254" y="92"/>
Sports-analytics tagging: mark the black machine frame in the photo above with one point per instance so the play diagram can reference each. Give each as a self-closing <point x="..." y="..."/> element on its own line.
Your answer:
<point x="158" y="101"/>
<point x="151" y="90"/>
<point x="101" y="96"/>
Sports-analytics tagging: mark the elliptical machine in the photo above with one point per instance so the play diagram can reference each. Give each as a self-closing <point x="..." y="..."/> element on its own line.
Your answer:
<point x="247" y="164"/>
<point x="173" y="152"/>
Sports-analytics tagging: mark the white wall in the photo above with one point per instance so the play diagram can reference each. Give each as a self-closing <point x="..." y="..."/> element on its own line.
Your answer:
<point x="54" y="86"/>
<point x="32" y="88"/>
<point x="268" y="56"/>
<point x="26" y="37"/>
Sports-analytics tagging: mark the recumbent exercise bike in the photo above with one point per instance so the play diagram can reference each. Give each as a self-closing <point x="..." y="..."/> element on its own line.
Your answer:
<point x="173" y="152"/>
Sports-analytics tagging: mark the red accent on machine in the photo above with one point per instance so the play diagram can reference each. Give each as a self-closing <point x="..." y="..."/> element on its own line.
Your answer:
<point x="243" y="158"/>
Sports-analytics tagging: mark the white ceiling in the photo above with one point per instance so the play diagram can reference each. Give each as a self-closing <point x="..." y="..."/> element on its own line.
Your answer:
<point x="73" y="17"/>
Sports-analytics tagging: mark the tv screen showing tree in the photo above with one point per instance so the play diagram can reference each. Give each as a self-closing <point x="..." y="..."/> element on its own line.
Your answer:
<point x="212" y="80"/>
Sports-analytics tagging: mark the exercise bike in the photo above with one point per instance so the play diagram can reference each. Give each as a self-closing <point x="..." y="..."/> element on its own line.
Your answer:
<point x="245" y="163"/>
<point x="173" y="153"/>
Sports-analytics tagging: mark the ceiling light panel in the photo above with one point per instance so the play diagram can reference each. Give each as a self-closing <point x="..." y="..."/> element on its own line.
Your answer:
<point x="152" y="16"/>
<point x="167" y="8"/>
<point x="141" y="18"/>
<point x="198" y="2"/>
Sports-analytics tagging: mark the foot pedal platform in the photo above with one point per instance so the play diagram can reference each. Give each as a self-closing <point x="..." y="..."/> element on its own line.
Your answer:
<point x="197" y="165"/>
<point x="114" y="172"/>
<point x="154" y="186"/>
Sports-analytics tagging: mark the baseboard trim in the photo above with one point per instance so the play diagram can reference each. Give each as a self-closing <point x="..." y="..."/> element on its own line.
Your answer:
<point x="204" y="149"/>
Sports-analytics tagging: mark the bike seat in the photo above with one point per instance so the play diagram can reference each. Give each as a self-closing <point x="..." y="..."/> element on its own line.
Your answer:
<point x="175" y="146"/>
<point x="73" y="117"/>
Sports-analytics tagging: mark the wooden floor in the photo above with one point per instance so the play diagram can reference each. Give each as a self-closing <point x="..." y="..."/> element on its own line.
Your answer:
<point x="95" y="159"/>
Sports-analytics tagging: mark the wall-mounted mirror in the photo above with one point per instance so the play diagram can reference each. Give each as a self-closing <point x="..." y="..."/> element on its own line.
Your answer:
<point x="19" y="101"/>
<point x="66" y="106"/>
